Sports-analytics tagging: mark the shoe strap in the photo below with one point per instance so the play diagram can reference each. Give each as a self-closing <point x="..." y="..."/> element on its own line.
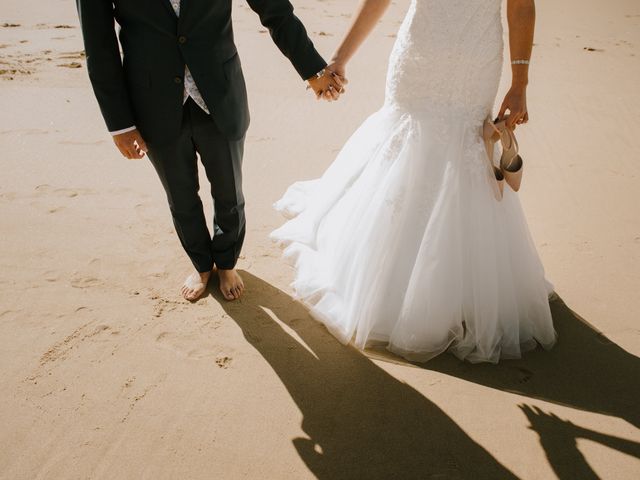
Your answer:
<point x="488" y="123"/>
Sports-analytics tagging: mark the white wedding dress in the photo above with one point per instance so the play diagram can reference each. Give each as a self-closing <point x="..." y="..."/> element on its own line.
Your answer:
<point x="401" y="242"/>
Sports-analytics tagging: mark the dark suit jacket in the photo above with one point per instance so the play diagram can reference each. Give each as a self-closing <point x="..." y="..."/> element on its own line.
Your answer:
<point x="145" y="87"/>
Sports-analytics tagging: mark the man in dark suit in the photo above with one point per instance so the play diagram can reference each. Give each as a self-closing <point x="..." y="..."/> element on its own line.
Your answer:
<point x="178" y="91"/>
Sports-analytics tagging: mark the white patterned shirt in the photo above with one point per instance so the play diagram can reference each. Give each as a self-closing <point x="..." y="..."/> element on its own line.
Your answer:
<point x="190" y="88"/>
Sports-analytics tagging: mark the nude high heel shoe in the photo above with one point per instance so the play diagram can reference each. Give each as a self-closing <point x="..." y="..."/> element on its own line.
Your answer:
<point x="511" y="163"/>
<point x="490" y="135"/>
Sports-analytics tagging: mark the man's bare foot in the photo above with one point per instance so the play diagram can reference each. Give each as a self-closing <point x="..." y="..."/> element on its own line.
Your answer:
<point x="231" y="284"/>
<point x="195" y="285"/>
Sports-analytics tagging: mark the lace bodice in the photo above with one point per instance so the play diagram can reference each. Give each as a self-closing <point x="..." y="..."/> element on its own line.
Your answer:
<point x="448" y="54"/>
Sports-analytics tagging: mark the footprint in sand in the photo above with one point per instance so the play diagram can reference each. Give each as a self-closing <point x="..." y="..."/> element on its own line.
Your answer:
<point x="89" y="276"/>
<point x="80" y="281"/>
<point x="190" y="345"/>
<point x="51" y="275"/>
<point x="184" y="345"/>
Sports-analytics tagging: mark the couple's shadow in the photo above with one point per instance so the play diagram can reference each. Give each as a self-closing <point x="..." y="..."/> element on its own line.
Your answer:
<point x="362" y="423"/>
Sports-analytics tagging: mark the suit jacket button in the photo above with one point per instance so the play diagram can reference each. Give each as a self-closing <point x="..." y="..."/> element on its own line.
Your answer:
<point x="177" y="80"/>
<point x="182" y="39"/>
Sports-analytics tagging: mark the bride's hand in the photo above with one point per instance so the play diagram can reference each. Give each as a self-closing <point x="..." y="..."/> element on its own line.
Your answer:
<point x="515" y="101"/>
<point x="340" y="70"/>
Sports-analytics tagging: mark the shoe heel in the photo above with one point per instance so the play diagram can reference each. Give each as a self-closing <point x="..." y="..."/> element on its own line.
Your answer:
<point x="513" y="174"/>
<point x="500" y="179"/>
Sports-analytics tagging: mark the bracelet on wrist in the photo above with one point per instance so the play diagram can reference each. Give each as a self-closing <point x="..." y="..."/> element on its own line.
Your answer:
<point x="320" y="74"/>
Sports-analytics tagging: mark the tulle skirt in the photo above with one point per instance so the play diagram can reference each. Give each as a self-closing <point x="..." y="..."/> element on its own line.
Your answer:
<point x="402" y="242"/>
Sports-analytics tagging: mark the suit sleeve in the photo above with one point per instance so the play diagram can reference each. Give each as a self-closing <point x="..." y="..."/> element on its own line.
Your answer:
<point x="104" y="63"/>
<point x="289" y="35"/>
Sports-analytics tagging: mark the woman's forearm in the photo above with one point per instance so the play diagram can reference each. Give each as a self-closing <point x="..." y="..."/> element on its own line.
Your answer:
<point x="365" y="19"/>
<point x="521" y="17"/>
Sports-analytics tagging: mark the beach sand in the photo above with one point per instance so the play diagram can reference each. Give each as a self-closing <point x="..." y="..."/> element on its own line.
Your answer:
<point x="106" y="373"/>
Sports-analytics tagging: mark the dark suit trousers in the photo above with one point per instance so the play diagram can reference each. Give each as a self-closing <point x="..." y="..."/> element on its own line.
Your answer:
<point x="177" y="168"/>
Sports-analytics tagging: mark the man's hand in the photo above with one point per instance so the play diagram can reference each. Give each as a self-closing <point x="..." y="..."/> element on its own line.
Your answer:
<point x="131" y="144"/>
<point x="329" y="85"/>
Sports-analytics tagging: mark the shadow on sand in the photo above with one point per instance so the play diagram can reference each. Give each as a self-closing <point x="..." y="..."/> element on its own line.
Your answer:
<point x="360" y="422"/>
<point x="585" y="370"/>
<point x="559" y="438"/>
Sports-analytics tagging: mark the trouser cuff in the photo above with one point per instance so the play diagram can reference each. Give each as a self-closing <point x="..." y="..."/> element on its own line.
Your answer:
<point x="225" y="261"/>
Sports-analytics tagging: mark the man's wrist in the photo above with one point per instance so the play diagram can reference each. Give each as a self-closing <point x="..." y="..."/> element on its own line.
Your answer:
<point x="124" y="130"/>
<point x="317" y="75"/>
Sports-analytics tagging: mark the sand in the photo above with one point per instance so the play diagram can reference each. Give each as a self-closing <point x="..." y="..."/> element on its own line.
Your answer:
<point x="106" y="373"/>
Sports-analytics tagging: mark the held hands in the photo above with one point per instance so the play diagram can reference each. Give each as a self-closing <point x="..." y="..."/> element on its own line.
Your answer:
<point x="329" y="85"/>
<point x="515" y="102"/>
<point x="131" y="144"/>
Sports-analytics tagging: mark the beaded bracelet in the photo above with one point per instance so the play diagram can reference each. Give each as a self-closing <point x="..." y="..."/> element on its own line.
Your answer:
<point x="520" y="62"/>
